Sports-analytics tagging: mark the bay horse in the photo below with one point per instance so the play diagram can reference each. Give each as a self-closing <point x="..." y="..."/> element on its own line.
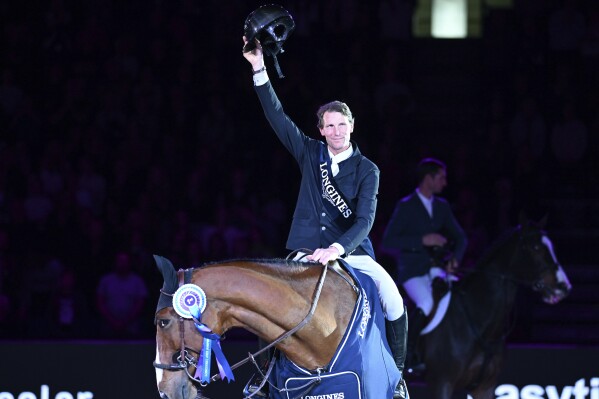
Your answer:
<point x="265" y="297"/>
<point x="464" y="353"/>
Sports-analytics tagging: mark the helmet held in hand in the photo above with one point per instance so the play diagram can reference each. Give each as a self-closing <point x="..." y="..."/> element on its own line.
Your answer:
<point x="271" y="25"/>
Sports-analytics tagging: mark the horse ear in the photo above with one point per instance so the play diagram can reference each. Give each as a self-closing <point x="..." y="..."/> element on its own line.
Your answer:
<point x="171" y="283"/>
<point x="169" y="274"/>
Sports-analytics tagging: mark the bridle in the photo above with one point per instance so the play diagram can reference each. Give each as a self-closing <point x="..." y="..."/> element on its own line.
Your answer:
<point x="538" y="284"/>
<point x="183" y="358"/>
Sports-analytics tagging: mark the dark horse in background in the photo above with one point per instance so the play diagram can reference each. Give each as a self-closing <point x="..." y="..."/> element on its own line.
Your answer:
<point x="464" y="353"/>
<point x="265" y="297"/>
<point x="270" y="297"/>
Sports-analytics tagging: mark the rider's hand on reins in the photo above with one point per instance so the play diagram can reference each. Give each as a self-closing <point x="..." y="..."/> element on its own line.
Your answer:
<point x="324" y="255"/>
<point x="433" y="239"/>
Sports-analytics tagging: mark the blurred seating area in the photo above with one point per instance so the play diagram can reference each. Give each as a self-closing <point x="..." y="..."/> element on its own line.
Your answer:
<point x="131" y="127"/>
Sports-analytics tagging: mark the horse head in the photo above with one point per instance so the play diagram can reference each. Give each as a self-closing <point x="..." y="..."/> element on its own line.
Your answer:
<point x="177" y="344"/>
<point x="544" y="271"/>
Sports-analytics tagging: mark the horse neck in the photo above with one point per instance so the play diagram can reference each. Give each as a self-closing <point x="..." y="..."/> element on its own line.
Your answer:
<point x="267" y="303"/>
<point x="243" y="297"/>
<point x="490" y="291"/>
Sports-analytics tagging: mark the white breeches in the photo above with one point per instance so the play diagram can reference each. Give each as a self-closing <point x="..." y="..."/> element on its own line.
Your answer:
<point x="420" y="290"/>
<point x="391" y="300"/>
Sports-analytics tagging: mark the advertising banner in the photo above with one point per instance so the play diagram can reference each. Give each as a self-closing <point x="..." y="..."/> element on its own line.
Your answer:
<point x="123" y="370"/>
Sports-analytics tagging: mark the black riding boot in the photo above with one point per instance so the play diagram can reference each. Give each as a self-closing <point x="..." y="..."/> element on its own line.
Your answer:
<point x="414" y="362"/>
<point x="397" y="337"/>
<point x="256" y="380"/>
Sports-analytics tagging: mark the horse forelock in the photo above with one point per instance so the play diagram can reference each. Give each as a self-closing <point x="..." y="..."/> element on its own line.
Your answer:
<point x="498" y="245"/>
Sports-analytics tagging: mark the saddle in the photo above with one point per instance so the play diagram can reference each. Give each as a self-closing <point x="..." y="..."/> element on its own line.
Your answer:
<point x="347" y="375"/>
<point x="442" y="284"/>
<point x="442" y="291"/>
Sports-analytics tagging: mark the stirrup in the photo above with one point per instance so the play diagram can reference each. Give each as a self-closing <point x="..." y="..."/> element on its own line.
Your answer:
<point x="401" y="390"/>
<point x="256" y="387"/>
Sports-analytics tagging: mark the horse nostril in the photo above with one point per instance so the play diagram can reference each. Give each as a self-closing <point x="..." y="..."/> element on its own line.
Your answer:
<point x="163" y="395"/>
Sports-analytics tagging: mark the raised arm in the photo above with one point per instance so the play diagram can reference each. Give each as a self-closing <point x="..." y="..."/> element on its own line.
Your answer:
<point x="255" y="57"/>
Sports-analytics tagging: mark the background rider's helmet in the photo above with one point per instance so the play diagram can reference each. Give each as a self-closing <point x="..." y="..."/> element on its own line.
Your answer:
<point x="271" y="25"/>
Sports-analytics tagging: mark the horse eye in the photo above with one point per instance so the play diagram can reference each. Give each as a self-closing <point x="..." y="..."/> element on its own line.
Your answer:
<point x="162" y="323"/>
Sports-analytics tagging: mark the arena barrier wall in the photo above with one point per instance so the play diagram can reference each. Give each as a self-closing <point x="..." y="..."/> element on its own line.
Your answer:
<point x="123" y="370"/>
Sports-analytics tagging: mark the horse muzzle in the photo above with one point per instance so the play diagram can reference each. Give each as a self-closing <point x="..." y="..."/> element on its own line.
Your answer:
<point x="165" y="396"/>
<point x="555" y="295"/>
<point x="555" y="291"/>
<point x="184" y="391"/>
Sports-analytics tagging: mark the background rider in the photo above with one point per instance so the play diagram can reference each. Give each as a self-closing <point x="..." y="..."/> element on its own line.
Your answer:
<point x="421" y="230"/>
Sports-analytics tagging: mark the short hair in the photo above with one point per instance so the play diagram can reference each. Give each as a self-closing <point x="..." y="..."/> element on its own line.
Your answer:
<point x="428" y="166"/>
<point x="333" y="106"/>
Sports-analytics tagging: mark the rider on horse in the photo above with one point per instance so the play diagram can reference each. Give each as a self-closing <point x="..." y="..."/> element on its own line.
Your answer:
<point x="337" y="198"/>
<point x="428" y="244"/>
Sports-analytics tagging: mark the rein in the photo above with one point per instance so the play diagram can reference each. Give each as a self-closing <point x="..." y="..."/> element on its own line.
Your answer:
<point x="289" y="333"/>
<point x="299" y="326"/>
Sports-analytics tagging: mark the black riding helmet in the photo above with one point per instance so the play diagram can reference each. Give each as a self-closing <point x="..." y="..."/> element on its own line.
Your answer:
<point x="271" y="25"/>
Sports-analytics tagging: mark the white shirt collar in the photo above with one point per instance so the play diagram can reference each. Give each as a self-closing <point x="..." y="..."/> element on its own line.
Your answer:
<point x="342" y="156"/>
<point x="427" y="202"/>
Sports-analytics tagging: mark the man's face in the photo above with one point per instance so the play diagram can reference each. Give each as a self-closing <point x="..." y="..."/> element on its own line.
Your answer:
<point x="337" y="130"/>
<point x="438" y="181"/>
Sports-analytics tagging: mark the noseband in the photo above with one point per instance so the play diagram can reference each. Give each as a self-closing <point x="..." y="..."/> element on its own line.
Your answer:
<point x="538" y="284"/>
<point x="183" y="357"/>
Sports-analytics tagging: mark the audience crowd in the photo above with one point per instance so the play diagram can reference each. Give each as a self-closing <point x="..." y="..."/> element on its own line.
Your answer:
<point x="128" y="128"/>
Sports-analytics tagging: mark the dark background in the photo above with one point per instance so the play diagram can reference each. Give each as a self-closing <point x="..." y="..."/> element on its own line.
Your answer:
<point x="129" y="126"/>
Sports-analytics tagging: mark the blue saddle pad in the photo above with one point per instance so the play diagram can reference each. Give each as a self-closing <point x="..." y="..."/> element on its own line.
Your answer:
<point x="342" y="385"/>
<point x="362" y="367"/>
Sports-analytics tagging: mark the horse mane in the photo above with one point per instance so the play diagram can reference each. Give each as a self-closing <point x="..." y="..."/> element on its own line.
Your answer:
<point x="497" y="245"/>
<point x="290" y="266"/>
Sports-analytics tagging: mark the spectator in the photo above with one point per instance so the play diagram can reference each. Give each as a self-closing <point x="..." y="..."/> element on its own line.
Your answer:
<point x="68" y="308"/>
<point x="121" y="296"/>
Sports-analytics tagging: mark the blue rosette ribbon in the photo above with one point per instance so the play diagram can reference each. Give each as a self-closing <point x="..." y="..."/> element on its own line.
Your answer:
<point x="211" y="344"/>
